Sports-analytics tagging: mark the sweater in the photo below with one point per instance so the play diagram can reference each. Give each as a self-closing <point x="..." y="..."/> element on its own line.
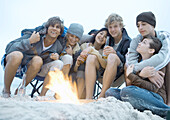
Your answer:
<point x="158" y="61"/>
<point x="146" y="84"/>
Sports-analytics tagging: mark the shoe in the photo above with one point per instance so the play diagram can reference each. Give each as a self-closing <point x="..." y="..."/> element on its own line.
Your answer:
<point x="6" y="94"/>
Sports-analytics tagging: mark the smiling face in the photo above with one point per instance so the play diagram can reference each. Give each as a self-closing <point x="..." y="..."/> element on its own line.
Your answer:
<point x="72" y="39"/>
<point x="145" y="29"/>
<point x="54" y="30"/>
<point x="115" y="29"/>
<point x="101" y="37"/>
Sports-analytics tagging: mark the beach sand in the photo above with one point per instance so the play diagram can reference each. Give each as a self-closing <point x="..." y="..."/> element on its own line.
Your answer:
<point x="47" y="108"/>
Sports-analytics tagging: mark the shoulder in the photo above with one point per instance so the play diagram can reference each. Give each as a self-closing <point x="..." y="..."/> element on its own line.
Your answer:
<point x="138" y="38"/>
<point x="84" y="46"/>
<point x="125" y="35"/>
<point x="40" y="29"/>
<point x="162" y="35"/>
<point x="86" y="38"/>
<point x="135" y="41"/>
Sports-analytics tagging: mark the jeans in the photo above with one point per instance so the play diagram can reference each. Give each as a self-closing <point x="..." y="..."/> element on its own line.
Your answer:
<point x="140" y="99"/>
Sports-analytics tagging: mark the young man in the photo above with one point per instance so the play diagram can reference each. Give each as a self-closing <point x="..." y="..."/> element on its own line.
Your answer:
<point x="117" y="47"/>
<point x="69" y="54"/>
<point x="33" y="53"/>
<point x="143" y="94"/>
<point x="146" y="23"/>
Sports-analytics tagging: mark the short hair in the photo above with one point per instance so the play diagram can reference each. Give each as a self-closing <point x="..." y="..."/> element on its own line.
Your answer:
<point x="114" y="18"/>
<point x="54" y="20"/>
<point x="156" y="44"/>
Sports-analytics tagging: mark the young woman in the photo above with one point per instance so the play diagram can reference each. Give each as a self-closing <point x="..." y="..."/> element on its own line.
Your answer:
<point x="92" y="54"/>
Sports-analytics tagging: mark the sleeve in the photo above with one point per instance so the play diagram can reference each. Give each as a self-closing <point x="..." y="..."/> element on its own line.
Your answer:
<point x="159" y="60"/>
<point x="86" y="39"/>
<point x="99" y="57"/>
<point x="137" y="81"/>
<point x="84" y="46"/>
<point x="75" y="65"/>
<point x="21" y="44"/>
<point x="125" y="50"/>
<point x="167" y="82"/>
<point x="133" y="54"/>
<point x="40" y="29"/>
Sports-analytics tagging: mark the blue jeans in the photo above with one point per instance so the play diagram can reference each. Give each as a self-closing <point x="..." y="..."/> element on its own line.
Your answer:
<point x="140" y="99"/>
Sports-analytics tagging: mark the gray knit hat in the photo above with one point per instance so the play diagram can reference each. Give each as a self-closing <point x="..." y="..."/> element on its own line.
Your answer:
<point x="76" y="29"/>
<point x="148" y="17"/>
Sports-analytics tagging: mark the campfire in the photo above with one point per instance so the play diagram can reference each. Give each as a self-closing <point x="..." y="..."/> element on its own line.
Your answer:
<point x="65" y="90"/>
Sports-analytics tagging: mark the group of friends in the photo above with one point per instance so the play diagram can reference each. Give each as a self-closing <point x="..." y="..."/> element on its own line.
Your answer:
<point x="107" y="53"/>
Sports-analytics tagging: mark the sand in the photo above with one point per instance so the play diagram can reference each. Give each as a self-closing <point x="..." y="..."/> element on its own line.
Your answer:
<point x="47" y="108"/>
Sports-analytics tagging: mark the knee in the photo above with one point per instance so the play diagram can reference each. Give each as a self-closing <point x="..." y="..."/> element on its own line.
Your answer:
<point x="15" y="57"/>
<point x="113" y="92"/>
<point x="109" y="92"/>
<point x="91" y="59"/>
<point x="67" y="59"/>
<point x="57" y="64"/>
<point x="128" y="92"/>
<point x="113" y="59"/>
<point x="37" y="61"/>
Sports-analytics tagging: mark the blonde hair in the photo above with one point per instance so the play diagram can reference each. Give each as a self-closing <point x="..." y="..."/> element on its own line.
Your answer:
<point x="114" y="18"/>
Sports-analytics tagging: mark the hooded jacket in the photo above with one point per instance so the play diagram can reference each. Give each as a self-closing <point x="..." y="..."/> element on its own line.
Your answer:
<point x="23" y="45"/>
<point x="123" y="46"/>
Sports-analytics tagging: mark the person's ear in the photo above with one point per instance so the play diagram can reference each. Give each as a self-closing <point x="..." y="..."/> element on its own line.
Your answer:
<point x="151" y="51"/>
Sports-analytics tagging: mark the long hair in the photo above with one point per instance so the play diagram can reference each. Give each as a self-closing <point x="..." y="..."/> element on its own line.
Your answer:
<point x="94" y="37"/>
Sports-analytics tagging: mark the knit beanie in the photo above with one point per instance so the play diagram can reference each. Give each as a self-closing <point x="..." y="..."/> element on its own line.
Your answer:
<point x="76" y="29"/>
<point x="148" y="17"/>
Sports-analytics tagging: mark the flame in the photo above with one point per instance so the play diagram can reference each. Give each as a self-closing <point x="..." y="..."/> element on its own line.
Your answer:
<point x="65" y="90"/>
